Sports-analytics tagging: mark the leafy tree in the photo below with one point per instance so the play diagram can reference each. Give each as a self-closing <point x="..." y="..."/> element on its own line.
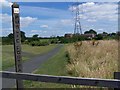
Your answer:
<point x="99" y="37"/>
<point x="91" y="31"/>
<point x="23" y="37"/>
<point x="105" y="33"/>
<point x="7" y="41"/>
<point x="35" y="37"/>
<point x="113" y="34"/>
<point x="10" y="36"/>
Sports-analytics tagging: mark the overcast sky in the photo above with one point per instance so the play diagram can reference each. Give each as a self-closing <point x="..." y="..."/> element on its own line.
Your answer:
<point x="57" y="18"/>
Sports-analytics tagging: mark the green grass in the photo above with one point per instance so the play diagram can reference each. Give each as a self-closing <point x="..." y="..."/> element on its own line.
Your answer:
<point x="54" y="66"/>
<point x="37" y="49"/>
<point x="8" y="53"/>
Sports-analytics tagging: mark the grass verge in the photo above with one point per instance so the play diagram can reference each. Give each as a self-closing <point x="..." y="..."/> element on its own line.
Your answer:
<point x="93" y="61"/>
<point x="29" y="52"/>
<point x="54" y="66"/>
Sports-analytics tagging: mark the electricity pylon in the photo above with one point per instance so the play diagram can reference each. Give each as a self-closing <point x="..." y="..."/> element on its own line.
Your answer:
<point x="77" y="28"/>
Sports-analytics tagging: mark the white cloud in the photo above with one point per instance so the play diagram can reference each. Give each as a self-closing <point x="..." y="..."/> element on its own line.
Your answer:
<point x="91" y="10"/>
<point x="44" y="26"/>
<point x="5" y="18"/>
<point x="66" y="21"/>
<point x="6" y="31"/>
<point x="43" y="33"/>
<point x="91" y="20"/>
<point x="34" y="31"/>
<point x="100" y="30"/>
<point x="68" y="0"/>
<point x="89" y="4"/>
<point x="7" y="23"/>
<point x="24" y="21"/>
<point x="5" y="3"/>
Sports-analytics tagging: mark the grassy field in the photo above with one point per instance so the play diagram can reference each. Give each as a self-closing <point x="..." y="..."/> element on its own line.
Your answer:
<point x="93" y="61"/>
<point x="29" y="51"/>
<point x="59" y="64"/>
<point x="54" y="66"/>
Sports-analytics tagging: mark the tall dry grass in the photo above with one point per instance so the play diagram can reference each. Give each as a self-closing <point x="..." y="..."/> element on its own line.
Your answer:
<point x="93" y="61"/>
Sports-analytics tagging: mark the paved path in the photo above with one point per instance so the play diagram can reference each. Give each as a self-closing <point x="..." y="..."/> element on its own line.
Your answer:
<point x="30" y="66"/>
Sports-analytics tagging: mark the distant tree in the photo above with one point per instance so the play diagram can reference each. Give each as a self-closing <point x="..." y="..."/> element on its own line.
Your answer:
<point x="99" y="37"/>
<point x="35" y="36"/>
<point x="105" y="33"/>
<point x="113" y="34"/>
<point x="86" y="32"/>
<point x="10" y="36"/>
<point x="7" y="41"/>
<point x="91" y="31"/>
<point x="58" y="37"/>
<point x="23" y="37"/>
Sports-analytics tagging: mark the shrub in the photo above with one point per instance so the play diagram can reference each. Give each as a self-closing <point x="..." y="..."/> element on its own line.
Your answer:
<point x="39" y="43"/>
<point x="67" y="55"/>
<point x="7" y="41"/>
<point x="99" y="37"/>
<point x="54" y="41"/>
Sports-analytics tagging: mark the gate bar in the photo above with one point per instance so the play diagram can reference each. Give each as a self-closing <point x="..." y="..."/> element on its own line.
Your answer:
<point x="110" y="83"/>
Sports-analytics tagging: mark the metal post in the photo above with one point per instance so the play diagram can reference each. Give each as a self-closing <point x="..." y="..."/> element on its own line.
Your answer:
<point x="117" y="76"/>
<point x="17" y="42"/>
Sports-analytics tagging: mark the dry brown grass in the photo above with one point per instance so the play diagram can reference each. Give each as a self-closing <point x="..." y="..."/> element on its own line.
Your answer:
<point x="93" y="61"/>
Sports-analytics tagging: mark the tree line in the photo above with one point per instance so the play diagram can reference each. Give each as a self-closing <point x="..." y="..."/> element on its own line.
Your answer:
<point x="35" y="40"/>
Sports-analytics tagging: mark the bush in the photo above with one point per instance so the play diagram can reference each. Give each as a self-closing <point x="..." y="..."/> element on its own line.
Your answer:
<point x="54" y="41"/>
<point x="72" y="39"/>
<point x="39" y="43"/>
<point x="99" y="37"/>
<point x="7" y="41"/>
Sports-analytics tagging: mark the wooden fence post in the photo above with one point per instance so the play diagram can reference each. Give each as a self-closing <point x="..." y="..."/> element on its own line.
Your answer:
<point x="117" y="76"/>
<point x="17" y="42"/>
